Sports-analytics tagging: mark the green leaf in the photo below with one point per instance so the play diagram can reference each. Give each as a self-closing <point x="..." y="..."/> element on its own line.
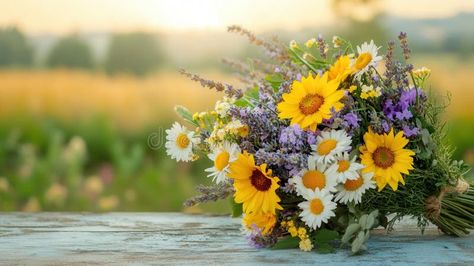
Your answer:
<point x="369" y="224"/>
<point x="241" y="102"/>
<point x="363" y="220"/>
<point x="374" y="215"/>
<point x="358" y="242"/>
<point x="287" y="242"/>
<point x="236" y="207"/>
<point x="367" y="236"/>
<point x="275" y="80"/>
<point x="185" y="114"/>
<point x="325" y="236"/>
<point x="250" y="94"/>
<point x="350" y="231"/>
<point x="325" y="248"/>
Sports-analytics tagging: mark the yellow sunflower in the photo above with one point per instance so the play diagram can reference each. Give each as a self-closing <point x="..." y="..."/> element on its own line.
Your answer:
<point x="264" y="221"/>
<point x="310" y="101"/>
<point x="341" y="69"/>
<point x="254" y="185"/>
<point x="385" y="156"/>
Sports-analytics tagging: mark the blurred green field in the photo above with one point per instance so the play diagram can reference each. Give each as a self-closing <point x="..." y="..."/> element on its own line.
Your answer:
<point x="79" y="141"/>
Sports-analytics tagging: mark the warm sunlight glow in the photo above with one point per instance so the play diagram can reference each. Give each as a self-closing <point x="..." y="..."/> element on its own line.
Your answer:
<point x="57" y="16"/>
<point x="187" y="15"/>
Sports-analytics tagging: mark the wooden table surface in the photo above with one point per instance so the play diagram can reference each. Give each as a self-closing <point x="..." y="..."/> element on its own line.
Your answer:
<point x="175" y="238"/>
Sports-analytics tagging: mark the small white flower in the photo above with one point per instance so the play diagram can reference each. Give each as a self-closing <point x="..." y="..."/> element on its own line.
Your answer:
<point x="337" y="41"/>
<point x="329" y="144"/>
<point x="367" y="57"/>
<point x="370" y="92"/>
<point x="344" y="168"/>
<point x="222" y="157"/>
<point x="293" y="44"/>
<point x="352" y="190"/>
<point x="317" y="208"/>
<point x="310" y="43"/>
<point x="179" y="143"/>
<point x="316" y="176"/>
<point x="222" y="107"/>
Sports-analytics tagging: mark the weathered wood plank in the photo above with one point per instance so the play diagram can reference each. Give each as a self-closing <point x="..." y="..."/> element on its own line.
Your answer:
<point x="173" y="238"/>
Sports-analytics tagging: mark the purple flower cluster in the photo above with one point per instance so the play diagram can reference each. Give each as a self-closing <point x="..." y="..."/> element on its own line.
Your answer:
<point x="257" y="240"/>
<point x="293" y="138"/>
<point x="410" y="132"/>
<point x="400" y="110"/>
<point x="350" y="120"/>
<point x="272" y="141"/>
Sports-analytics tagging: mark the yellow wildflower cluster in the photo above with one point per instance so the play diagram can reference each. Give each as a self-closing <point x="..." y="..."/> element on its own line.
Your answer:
<point x="221" y="130"/>
<point x="370" y="92"/>
<point x="310" y="43"/>
<point x="203" y="118"/>
<point x="293" y="44"/>
<point x="337" y="41"/>
<point x="352" y="88"/>
<point x="421" y="75"/>
<point x="300" y="232"/>
<point x="222" y="107"/>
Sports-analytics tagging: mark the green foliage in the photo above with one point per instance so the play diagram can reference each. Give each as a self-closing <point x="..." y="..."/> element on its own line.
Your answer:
<point x="71" y="52"/>
<point x="236" y="208"/>
<point x="357" y="233"/>
<point x="457" y="213"/>
<point x="287" y="242"/>
<point x="250" y="95"/>
<point x="323" y="239"/>
<point x="185" y="114"/>
<point x="15" y="49"/>
<point x="275" y="80"/>
<point x="50" y="164"/>
<point x="137" y="53"/>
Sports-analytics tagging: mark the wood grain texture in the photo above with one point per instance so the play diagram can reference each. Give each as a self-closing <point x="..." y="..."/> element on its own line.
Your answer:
<point x="174" y="238"/>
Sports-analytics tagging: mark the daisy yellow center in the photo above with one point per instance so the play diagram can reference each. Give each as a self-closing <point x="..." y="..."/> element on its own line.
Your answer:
<point x="325" y="147"/>
<point x="182" y="141"/>
<point x="316" y="206"/>
<point x="311" y="103"/>
<point x="363" y="60"/>
<point x="352" y="185"/>
<point x="343" y="166"/>
<point x="314" y="179"/>
<point x="260" y="181"/>
<point x="383" y="157"/>
<point x="221" y="161"/>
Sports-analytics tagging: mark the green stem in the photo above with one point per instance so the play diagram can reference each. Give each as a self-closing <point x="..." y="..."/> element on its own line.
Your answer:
<point x="306" y="62"/>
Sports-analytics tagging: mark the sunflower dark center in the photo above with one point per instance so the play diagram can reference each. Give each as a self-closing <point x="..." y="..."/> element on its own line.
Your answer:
<point x="260" y="181"/>
<point x="311" y="103"/>
<point x="383" y="157"/>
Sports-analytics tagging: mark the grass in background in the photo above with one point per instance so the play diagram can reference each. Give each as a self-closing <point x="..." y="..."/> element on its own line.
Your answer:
<point x="79" y="141"/>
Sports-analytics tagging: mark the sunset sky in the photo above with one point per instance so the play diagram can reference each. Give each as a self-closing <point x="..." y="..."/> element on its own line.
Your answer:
<point x="60" y="16"/>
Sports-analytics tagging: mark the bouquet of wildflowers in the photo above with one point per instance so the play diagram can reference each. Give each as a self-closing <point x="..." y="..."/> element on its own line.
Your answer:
<point x="326" y="142"/>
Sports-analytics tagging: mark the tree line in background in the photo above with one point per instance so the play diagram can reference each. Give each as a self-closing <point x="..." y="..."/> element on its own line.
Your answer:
<point x="137" y="53"/>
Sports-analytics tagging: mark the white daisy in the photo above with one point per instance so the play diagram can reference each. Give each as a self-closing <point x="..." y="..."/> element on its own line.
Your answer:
<point x="179" y="143"/>
<point x="352" y="190"/>
<point x="316" y="176"/>
<point x="344" y="168"/>
<point x="317" y="208"/>
<point x="367" y="57"/>
<point x="222" y="157"/>
<point x="329" y="144"/>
